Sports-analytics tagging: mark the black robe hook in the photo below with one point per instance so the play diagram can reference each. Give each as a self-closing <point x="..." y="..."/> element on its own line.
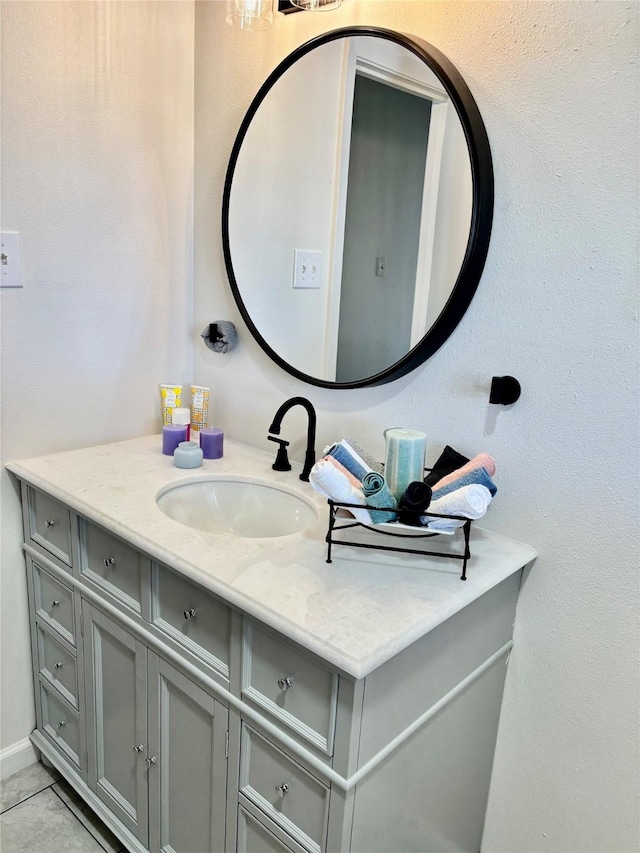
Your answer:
<point x="505" y="390"/>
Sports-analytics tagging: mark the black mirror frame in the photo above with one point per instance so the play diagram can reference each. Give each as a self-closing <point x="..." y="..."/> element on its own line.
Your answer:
<point x="481" y="214"/>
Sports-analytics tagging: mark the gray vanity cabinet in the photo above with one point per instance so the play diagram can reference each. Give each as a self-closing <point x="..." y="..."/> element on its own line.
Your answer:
<point x="190" y="727"/>
<point x="156" y="742"/>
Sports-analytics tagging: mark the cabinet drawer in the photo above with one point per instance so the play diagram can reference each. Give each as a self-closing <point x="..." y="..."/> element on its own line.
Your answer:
<point x="50" y="525"/>
<point x="255" y="837"/>
<point x="60" y="723"/>
<point x="54" y="603"/>
<point x="113" y="566"/>
<point x="57" y="664"/>
<point x="297" y="690"/>
<point x="192" y="617"/>
<point x="287" y="793"/>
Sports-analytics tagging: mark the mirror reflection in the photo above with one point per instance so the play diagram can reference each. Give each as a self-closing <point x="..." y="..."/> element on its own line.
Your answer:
<point x="350" y="208"/>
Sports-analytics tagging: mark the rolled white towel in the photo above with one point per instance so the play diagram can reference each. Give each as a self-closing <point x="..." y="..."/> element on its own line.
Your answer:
<point x="469" y="501"/>
<point x="332" y="483"/>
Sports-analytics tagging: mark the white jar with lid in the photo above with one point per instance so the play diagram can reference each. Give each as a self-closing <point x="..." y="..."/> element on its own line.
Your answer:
<point x="182" y="417"/>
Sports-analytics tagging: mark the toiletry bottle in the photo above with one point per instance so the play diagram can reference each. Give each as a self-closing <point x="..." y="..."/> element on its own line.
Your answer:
<point x="182" y="417"/>
<point x="199" y="410"/>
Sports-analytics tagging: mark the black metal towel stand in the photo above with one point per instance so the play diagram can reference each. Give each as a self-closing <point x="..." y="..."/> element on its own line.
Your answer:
<point x="335" y="506"/>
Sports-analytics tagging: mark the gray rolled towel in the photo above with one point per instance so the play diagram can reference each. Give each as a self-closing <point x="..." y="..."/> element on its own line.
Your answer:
<point x="220" y="336"/>
<point x="365" y="455"/>
<point x="377" y="493"/>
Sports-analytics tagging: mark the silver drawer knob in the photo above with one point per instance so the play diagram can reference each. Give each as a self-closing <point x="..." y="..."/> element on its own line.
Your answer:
<point x="139" y="749"/>
<point x="51" y="522"/>
<point x="151" y="760"/>
<point x="190" y="613"/>
<point x="282" y="789"/>
<point x="58" y="665"/>
<point x="285" y="683"/>
<point x="61" y="724"/>
<point x="109" y="561"/>
<point x="55" y="602"/>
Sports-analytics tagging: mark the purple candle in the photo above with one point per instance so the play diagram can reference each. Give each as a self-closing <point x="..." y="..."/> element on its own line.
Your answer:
<point x="211" y="440"/>
<point x="172" y="435"/>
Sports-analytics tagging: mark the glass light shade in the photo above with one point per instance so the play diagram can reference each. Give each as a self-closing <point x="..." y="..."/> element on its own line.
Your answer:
<point x="317" y="5"/>
<point x="250" y="14"/>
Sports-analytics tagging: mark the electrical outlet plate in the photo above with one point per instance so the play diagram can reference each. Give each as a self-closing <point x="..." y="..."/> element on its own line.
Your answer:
<point x="10" y="267"/>
<point x="307" y="268"/>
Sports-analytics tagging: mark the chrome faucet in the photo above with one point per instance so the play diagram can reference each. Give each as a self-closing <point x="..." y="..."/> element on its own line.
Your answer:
<point x="310" y="455"/>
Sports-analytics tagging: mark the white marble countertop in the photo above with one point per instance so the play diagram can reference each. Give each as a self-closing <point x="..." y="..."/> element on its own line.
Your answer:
<point x="356" y="613"/>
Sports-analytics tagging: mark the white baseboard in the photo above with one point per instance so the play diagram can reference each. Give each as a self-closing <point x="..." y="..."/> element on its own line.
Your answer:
<point x="16" y="757"/>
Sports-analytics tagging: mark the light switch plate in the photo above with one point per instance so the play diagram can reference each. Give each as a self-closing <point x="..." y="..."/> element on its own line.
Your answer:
<point x="307" y="268"/>
<point x="10" y="267"/>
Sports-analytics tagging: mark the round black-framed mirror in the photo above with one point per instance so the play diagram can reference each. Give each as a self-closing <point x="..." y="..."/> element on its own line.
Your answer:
<point x="280" y="290"/>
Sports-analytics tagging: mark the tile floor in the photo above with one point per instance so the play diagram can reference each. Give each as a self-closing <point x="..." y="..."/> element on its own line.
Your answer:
<point x="41" y="813"/>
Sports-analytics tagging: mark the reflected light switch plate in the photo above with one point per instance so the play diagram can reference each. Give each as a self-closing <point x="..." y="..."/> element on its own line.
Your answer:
<point x="307" y="268"/>
<point x="10" y="267"/>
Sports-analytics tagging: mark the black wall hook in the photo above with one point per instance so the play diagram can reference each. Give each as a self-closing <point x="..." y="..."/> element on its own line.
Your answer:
<point x="505" y="390"/>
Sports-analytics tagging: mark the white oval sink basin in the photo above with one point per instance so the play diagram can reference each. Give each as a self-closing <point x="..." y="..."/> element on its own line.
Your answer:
<point x="237" y="506"/>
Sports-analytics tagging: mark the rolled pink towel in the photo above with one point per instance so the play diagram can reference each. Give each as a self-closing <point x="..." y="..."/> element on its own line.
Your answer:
<point x="482" y="460"/>
<point x="350" y="477"/>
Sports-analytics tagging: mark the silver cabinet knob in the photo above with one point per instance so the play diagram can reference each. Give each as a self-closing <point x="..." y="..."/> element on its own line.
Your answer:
<point x="50" y="522"/>
<point x="151" y="760"/>
<point x="282" y="789"/>
<point x="139" y="749"/>
<point x="55" y="602"/>
<point x="58" y="665"/>
<point x="190" y="613"/>
<point x="61" y="724"/>
<point x="109" y="561"/>
<point x="285" y="683"/>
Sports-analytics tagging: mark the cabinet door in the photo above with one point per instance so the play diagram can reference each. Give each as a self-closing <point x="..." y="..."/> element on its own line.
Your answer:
<point x="187" y="782"/>
<point x="116" y="686"/>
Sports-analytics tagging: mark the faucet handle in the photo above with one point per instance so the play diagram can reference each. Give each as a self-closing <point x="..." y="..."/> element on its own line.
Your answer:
<point x="282" y="459"/>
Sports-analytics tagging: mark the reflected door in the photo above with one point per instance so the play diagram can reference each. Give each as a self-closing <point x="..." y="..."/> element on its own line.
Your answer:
<point x="387" y="159"/>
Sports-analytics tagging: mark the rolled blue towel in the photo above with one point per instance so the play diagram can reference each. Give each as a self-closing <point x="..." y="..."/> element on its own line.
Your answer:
<point x="346" y="456"/>
<point x="376" y="493"/>
<point x="477" y="477"/>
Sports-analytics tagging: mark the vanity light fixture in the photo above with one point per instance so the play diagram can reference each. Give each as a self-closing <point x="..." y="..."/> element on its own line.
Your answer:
<point x="317" y="5"/>
<point x="250" y="14"/>
<point x="258" y="14"/>
<point x="287" y="6"/>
